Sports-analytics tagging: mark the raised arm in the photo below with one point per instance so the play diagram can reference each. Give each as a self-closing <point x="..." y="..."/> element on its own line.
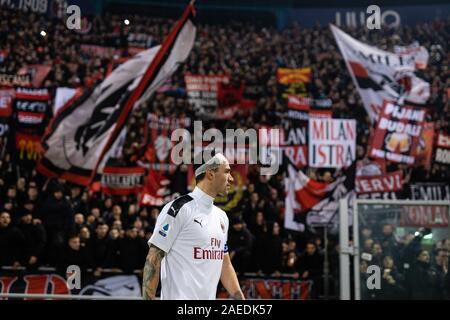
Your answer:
<point x="150" y="278"/>
<point x="229" y="279"/>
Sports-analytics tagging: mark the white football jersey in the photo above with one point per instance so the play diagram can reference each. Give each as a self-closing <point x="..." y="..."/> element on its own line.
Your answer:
<point x="193" y="233"/>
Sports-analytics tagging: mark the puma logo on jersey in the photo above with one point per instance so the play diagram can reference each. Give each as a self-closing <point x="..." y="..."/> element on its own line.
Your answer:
<point x="199" y="222"/>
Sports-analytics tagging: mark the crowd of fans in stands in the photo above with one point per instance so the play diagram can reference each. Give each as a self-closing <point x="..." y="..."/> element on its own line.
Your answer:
<point x="51" y="222"/>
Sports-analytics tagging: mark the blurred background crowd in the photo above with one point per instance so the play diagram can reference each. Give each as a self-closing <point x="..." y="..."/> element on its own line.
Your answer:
<point x="50" y="222"/>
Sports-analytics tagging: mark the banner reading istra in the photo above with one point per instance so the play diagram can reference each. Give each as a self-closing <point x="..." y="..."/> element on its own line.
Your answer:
<point x="332" y="142"/>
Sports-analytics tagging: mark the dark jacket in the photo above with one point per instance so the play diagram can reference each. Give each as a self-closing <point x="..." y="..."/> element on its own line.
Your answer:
<point x="273" y="254"/>
<point x="34" y="239"/>
<point x="11" y="245"/>
<point x="311" y="263"/>
<point x="421" y="281"/>
<point x="131" y="253"/>
<point x="241" y="241"/>
<point x="57" y="214"/>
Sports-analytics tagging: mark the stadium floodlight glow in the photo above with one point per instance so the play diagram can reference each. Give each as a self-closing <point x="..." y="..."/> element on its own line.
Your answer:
<point x="43" y="33"/>
<point x="126" y="21"/>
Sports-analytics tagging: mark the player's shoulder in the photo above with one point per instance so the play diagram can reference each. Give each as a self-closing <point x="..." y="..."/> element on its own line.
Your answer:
<point x="174" y="207"/>
<point x="221" y="212"/>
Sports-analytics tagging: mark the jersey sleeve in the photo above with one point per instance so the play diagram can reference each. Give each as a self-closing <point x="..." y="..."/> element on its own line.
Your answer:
<point x="168" y="226"/>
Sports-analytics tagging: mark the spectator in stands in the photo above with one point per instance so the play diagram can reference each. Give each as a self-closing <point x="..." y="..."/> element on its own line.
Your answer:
<point x="310" y="267"/>
<point x="11" y="242"/>
<point x="132" y="250"/>
<point x="130" y="217"/>
<point x="368" y="245"/>
<point x="392" y="282"/>
<point x="57" y="217"/>
<point x="78" y="222"/>
<point x="240" y="242"/>
<point x="289" y="264"/>
<point x="366" y="233"/>
<point x="377" y="254"/>
<point x="76" y="200"/>
<point x="107" y="209"/>
<point x="85" y="237"/>
<point x="116" y="215"/>
<point x="251" y="208"/>
<point x="389" y="242"/>
<point x="102" y="249"/>
<point x="274" y="250"/>
<point x="272" y="207"/>
<point x="420" y="280"/>
<point x="440" y="269"/>
<point x="11" y="204"/>
<point x="74" y="254"/>
<point x="34" y="239"/>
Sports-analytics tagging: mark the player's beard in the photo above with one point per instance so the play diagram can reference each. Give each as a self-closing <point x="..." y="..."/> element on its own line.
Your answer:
<point x="224" y="192"/>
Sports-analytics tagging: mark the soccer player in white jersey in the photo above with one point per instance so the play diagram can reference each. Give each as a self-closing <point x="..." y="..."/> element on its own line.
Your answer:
<point x="188" y="246"/>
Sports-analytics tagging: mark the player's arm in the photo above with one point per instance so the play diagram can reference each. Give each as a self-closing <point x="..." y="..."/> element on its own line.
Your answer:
<point x="150" y="277"/>
<point x="229" y="279"/>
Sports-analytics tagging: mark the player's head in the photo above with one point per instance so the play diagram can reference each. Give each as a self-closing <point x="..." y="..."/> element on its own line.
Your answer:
<point x="214" y="175"/>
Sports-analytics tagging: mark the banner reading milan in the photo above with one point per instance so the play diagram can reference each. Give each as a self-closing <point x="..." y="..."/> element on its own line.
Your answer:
<point x="397" y="133"/>
<point x="332" y="142"/>
<point x="293" y="81"/>
<point x="380" y="75"/>
<point x="202" y="91"/>
<point x="122" y="180"/>
<point x="85" y="129"/>
<point x="442" y="149"/>
<point x="416" y="51"/>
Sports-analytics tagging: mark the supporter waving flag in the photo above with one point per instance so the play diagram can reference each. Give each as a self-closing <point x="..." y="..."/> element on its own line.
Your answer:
<point x="380" y="75"/>
<point x="83" y="131"/>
